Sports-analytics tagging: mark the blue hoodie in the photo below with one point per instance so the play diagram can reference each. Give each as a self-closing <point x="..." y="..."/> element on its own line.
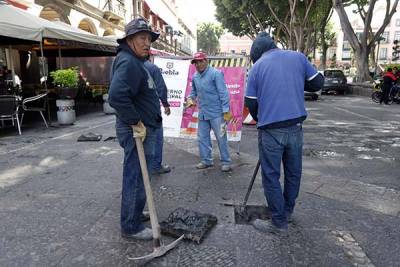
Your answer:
<point x="132" y="90"/>
<point x="275" y="87"/>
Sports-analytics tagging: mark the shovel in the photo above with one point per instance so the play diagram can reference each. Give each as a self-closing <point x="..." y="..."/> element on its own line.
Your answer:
<point x="245" y="213"/>
<point x="158" y="248"/>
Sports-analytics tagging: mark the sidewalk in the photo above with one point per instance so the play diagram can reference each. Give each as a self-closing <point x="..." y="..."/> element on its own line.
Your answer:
<point x="60" y="201"/>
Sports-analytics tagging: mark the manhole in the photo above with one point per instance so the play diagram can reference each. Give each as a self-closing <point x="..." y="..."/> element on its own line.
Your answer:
<point x="247" y="214"/>
<point x="205" y="256"/>
<point x="192" y="224"/>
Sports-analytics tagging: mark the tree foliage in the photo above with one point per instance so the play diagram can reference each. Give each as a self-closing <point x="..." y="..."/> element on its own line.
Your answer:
<point x="208" y="35"/>
<point x="294" y="23"/>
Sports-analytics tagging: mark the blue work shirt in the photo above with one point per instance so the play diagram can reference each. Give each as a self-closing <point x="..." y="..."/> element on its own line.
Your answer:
<point x="210" y="89"/>
<point x="277" y="82"/>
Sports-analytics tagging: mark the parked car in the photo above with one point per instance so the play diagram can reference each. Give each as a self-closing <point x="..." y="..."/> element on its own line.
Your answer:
<point x="313" y="95"/>
<point x="335" y="82"/>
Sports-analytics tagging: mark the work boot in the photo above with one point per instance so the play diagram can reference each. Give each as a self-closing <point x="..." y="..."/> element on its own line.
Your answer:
<point x="202" y="165"/>
<point x="145" y="234"/>
<point x="289" y="217"/>
<point x="269" y="227"/>
<point x="226" y="168"/>
<point x="164" y="169"/>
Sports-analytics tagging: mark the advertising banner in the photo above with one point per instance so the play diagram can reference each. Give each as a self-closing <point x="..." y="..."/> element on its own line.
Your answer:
<point x="175" y="73"/>
<point x="183" y="122"/>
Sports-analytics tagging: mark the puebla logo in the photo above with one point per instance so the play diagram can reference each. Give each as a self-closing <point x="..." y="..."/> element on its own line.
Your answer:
<point x="170" y="69"/>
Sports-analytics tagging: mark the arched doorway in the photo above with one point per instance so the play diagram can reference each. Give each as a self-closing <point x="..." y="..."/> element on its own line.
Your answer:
<point x="53" y="13"/>
<point x="87" y="25"/>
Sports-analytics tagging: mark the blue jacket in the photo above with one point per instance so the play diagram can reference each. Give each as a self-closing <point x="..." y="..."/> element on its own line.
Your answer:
<point x="213" y="96"/>
<point x="132" y="90"/>
<point x="161" y="88"/>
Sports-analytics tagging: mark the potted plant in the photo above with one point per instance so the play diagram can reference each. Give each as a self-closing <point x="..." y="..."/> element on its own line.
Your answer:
<point x="67" y="82"/>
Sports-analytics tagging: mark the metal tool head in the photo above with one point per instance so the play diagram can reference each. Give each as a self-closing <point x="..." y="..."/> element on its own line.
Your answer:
<point x="158" y="251"/>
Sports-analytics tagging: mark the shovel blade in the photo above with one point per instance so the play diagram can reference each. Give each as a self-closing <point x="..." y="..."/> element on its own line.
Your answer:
<point x="157" y="252"/>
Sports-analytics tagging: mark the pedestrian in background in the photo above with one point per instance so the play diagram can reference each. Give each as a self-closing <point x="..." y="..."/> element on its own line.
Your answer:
<point x="156" y="166"/>
<point x="134" y="97"/>
<point x="209" y="88"/>
<point x="275" y="98"/>
<point x="389" y="79"/>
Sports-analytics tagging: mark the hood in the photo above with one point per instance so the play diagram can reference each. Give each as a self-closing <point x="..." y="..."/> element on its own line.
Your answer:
<point x="261" y="44"/>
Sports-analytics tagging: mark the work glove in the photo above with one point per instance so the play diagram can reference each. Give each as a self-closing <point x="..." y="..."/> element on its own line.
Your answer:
<point x="228" y="116"/>
<point x="189" y="103"/>
<point x="139" y="131"/>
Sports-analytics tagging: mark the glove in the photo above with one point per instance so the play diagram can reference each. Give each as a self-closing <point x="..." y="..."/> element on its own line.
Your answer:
<point x="139" y="131"/>
<point x="189" y="102"/>
<point x="228" y="116"/>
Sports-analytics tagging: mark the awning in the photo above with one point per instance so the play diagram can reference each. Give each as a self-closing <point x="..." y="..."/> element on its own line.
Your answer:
<point x="16" y="24"/>
<point x="164" y="13"/>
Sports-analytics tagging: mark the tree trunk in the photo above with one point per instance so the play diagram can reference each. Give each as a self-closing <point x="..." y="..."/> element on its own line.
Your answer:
<point x="362" y="66"/>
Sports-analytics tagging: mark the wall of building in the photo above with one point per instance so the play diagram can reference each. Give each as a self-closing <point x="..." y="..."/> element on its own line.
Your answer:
<point x="230" y="44"/>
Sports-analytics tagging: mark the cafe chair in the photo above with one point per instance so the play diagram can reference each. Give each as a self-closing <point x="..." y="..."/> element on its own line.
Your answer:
<point x="9" y="106"/>
<point x="35" y="103"/>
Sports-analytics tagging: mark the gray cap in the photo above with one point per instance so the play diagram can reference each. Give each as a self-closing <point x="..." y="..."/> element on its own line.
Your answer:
<point x="138" y="25"/>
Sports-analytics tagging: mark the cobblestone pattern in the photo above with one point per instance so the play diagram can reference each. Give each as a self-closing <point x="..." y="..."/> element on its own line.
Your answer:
<point x="205" y="256"/>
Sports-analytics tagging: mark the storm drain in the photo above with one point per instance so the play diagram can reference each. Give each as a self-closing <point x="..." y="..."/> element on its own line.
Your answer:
<point x="247" y="214"/>
<point x="205" y="256"/>
<point x="192" y="224"/>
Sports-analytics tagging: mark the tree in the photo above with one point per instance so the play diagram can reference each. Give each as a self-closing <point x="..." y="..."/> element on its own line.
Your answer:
<point x="363" y="44"/>
<point x="208" y="35"/>
<point x="294" y="23"/>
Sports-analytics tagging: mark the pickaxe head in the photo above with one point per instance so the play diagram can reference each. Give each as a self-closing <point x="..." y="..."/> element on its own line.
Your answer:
<point x="158" y="251"/>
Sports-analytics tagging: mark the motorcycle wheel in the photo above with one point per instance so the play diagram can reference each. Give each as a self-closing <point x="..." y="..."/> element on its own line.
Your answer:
<point x="376" y="96"/>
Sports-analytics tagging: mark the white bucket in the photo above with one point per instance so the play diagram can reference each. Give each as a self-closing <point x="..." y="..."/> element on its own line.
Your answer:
<point x="66" y="111"/>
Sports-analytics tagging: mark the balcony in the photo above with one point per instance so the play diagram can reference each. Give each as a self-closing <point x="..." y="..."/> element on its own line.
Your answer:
<point x="114" y="11"/>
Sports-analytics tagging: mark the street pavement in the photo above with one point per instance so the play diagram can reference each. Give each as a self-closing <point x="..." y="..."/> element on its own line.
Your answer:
<point x="60" y="199"/>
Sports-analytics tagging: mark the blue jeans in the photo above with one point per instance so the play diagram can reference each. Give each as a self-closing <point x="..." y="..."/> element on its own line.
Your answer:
<point x="133" y="197"/>
<point x="205" y="145"/>
<point x="276" y="146"/>
<point x="155" y="164"/>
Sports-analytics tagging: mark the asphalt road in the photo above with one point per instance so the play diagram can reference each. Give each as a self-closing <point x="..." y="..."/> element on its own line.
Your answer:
<point x="59" y="199"/>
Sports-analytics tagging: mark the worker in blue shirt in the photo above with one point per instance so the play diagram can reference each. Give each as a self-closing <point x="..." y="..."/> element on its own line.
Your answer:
<point x="275" y="98"/>
<point x="209" y="88"/>
<point x="156" y="166"/>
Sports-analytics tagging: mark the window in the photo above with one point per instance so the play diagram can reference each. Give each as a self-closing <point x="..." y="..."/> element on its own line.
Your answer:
<point x="397" y="36"/>
<point x="386" y="36"/>
<point x="346" y="55"/>
<point x="383" y="54"/>
<point x="397" y="22"/>
<point x="346" y="45"/>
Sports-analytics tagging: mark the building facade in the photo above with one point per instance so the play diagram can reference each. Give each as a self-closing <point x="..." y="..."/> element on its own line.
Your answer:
<point x="178" y="33"/>
<point x="234" y="45"/>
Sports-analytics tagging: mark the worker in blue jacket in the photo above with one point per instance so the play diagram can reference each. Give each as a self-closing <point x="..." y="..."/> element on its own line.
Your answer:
<point x="275" y="98"/>
<point x="209" y="88"/>
<point x="134" y="97"/>
<point x="156" y="166"/>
